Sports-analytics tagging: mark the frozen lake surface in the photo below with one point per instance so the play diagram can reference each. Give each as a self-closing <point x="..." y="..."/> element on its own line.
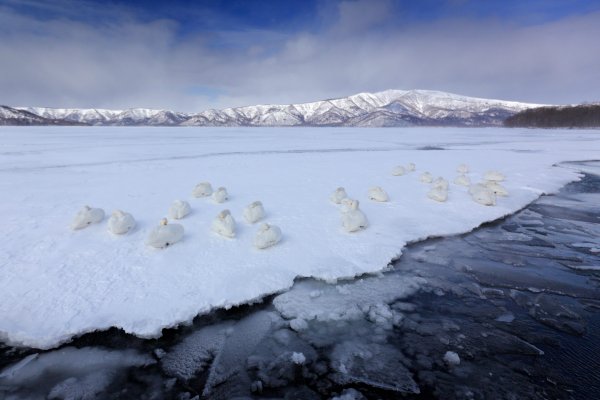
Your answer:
<point x="56" y="283"/>
<point x="510" y="310"/>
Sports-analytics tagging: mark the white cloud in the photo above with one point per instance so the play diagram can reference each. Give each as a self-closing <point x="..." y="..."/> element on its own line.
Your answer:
<point x="127" y="62"/>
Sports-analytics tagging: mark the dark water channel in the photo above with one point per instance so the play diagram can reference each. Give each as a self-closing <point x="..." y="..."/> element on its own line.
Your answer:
<point x="509" y="311"/>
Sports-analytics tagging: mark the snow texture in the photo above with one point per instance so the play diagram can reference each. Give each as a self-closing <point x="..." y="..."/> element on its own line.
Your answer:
<point x="71" y="282"/>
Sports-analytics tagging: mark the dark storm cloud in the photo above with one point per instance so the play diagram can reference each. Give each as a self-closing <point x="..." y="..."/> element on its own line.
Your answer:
<point x="121" y="59"/>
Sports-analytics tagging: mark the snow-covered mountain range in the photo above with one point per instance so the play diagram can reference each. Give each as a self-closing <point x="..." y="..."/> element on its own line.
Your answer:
<point x="14" y="116"/>
<point x="387" y="108"/>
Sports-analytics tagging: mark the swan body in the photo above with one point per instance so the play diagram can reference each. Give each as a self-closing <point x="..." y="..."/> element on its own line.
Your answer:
<point x="267" y="236"/>
<point x="378" y="194"/>
<point x="353" y="219"/>
<point x="338" y="195"/>
<point x="462" y="180"/>
<point x="165" y="234"/>
<point x="87" y="216"/>
<point x="220" y="195"/>
<point x="462" y="169"/>
<point x="411" y="167"/>
<point x="203" y="189"/>
<point x="426" y="177"/>
<point x="224" y="224"/>
<point x="494" y="176"/>
<point x="482" y="195"/>
<point x="120" y="222"/>
<point x="398" y="170"/>
<point x="438" y="194"/>
<point x="497" y="188"/>
<point x="254" y="212"/>
<point x="440" y="183"/>
<point x="179" y="209"/>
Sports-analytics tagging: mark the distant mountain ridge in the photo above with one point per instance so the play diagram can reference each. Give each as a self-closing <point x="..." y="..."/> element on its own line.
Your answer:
<point x="382" y="109"/>
<point x="14" y="116"/>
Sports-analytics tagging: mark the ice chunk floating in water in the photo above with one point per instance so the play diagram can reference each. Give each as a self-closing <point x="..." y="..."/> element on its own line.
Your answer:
<point x="68" y="373"/>
<point x="68" y="283"/>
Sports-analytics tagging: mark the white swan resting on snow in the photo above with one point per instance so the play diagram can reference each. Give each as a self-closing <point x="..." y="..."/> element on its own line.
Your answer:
<point x="338" y="195"/>
<point x="87" y="216"/>
<point x="398" y="170"/>
<point x="462" y="180"/>
<point x="267" y="236"/>
<point x="494" y="176"/>
<point x="426" y="177"/>
<point x="165" y="234"/>
<point x="120" y="222"/>
<point x="179" y="209"/>
<point x="353" y="219"/>
<point x="462" y="169"/>
<point x="254" y="212"/>
<point x="411" y="167"/>
<point x="440" y="183"/>
<point x="203" y="189"/>
<point x="482" y="195"/>
<point x="224" y="224"/>
<point x="378" y="194"/>
<point x="438" y="194"/>
<point x="497" y="188"/>
<point x="220" y="196"/>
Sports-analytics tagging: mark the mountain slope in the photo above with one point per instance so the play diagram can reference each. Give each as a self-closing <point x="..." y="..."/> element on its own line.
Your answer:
<point x="387" y="108"/>
<point x="98" y="116"/>
<point x="13" y="116"/>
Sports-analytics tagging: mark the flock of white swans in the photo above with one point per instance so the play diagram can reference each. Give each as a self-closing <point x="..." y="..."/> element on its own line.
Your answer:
<point x="166" y="234"/>
<point x="267" y="235"/>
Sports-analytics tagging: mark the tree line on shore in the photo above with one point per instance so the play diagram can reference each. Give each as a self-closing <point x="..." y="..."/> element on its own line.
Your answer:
<point x="580" y="116"/>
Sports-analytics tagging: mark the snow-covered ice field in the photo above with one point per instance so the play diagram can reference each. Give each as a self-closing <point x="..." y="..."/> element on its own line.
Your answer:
<point x="56" y="283"/>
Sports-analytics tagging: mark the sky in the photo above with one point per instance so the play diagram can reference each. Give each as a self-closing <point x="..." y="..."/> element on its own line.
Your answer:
<point x="194" y="55"/>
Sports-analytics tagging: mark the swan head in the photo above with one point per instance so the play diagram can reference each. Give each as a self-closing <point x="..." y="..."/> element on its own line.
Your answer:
<point x="223" y="214"/>
<point x="256" y="204"/>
